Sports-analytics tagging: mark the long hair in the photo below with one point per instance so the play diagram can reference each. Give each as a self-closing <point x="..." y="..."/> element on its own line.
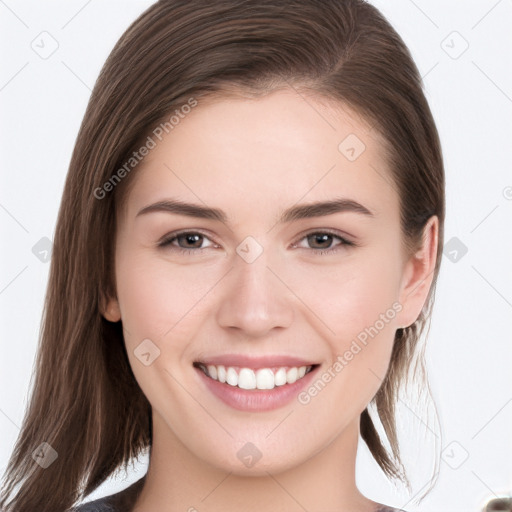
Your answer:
<point x="85" y="405"/>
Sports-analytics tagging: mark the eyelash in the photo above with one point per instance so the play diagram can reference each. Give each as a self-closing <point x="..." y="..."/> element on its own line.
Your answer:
<point x="166" y="242"/>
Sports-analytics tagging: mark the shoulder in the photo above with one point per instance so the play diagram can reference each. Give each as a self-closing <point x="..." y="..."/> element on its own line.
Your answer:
<point x="119" y="502"/>
<point x="383" y="508"/>
<point x="99" y="505"/>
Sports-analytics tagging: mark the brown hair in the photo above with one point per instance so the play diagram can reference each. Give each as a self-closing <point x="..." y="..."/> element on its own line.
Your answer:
<point x="85" y="402"/>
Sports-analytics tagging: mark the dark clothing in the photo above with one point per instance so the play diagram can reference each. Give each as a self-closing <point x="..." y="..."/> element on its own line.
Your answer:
<point x="124" y="500"/>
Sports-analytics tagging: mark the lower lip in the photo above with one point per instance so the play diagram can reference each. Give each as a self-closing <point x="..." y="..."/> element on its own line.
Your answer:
<point x="257" y="400"/>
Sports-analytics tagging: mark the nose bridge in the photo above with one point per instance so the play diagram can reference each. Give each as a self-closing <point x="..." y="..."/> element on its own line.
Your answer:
<point x="254" y="300"/>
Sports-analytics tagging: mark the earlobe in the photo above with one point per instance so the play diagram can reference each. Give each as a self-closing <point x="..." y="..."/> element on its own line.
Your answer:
<point x="418" y="275"/>
<point x="111" y="311"/>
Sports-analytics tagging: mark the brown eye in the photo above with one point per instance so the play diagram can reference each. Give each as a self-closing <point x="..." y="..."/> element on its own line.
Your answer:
<point x="320" y="240"/>
<point x="190" y="240"/>
<point x="323" y="242"/>
<point x="186" y="240"/>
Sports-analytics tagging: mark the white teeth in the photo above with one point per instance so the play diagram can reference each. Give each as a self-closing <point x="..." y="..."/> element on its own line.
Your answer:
<point x="263" y="378"/>
<point x="280" y="376"/>
<point x="291" y="375"/>
<point x="232" y="377"/>
<point x="246" y="379"/>
<point x="221" y="374"/>
<point x="212" y="371"/>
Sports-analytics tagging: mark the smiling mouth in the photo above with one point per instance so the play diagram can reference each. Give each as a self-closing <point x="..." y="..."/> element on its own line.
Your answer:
<point x="257" y="379"/>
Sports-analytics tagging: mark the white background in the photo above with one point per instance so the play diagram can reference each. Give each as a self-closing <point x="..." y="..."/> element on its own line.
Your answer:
<point x="469" y="353"/>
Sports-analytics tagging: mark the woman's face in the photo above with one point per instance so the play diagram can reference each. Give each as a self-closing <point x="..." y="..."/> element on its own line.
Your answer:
<point x="289" y="256"/>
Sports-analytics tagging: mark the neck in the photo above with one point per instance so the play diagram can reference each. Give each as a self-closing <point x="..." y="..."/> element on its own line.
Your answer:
<point x="178" y="480"/>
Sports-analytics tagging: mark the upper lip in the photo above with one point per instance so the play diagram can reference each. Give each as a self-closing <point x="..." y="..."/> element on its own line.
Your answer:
<point x="245" y="361"/>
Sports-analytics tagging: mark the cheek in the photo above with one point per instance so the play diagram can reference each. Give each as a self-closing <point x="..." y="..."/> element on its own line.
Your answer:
<point x="159" y="299"/>
<point x="350" y="296"/>
<point x="354" y="307"/>
<point x="165" y="304"/>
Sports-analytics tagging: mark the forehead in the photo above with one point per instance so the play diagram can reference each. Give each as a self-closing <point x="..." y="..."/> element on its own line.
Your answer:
<point x="267" y="152"/>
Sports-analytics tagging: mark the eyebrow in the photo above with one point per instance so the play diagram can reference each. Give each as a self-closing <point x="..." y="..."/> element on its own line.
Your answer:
<point x="304" y="211"/>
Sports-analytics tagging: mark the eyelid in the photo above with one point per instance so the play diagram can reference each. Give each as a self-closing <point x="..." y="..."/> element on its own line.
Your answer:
<point x="345" y="241"/>
<point x="169" y="237"/>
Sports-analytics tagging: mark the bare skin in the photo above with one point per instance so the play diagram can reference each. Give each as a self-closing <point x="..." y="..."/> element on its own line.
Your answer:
<point x="253" y="159"/>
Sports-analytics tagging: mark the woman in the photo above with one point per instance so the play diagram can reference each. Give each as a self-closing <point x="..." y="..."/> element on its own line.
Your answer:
<point x="244" y="259"/>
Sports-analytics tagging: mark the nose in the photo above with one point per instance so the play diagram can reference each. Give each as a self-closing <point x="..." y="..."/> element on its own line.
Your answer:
<point x="254" y="301"/>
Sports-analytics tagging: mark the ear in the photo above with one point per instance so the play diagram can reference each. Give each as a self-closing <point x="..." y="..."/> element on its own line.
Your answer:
<point x="418" y="275"/>
<point x="110" y="309"/>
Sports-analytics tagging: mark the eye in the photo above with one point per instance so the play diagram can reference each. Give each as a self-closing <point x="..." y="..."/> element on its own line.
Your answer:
<point x="322" y="242"/>
<point x="318" y="242"/>
<point x="186" y="241"/>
